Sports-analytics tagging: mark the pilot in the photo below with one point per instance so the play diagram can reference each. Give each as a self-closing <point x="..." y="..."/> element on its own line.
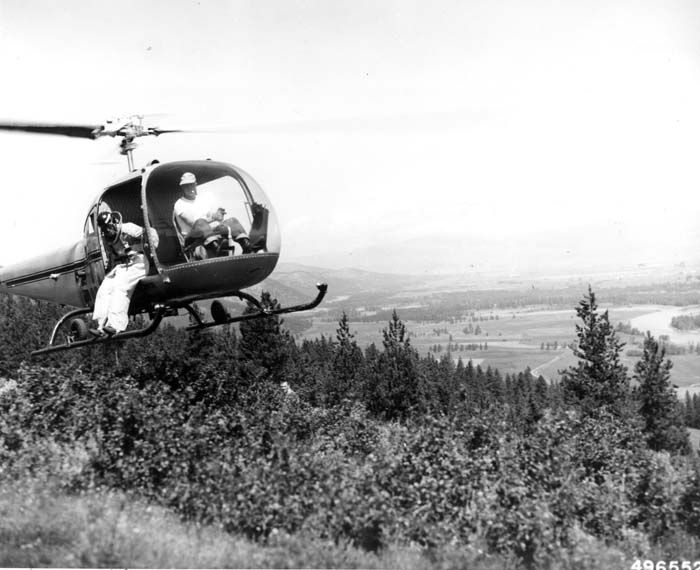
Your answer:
<point x="203" y="225"/>
<point x="124" y="245"/>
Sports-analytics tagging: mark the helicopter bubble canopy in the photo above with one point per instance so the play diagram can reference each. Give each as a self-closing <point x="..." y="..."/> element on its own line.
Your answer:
<point x="224" y="193"/>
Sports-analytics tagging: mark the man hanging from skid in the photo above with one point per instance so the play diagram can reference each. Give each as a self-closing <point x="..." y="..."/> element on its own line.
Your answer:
<point x="124" y="244"/>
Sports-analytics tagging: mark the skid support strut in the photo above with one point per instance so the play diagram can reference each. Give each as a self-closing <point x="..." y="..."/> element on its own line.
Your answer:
<point x="259" y="312"/>
<point x="152" y="326"/>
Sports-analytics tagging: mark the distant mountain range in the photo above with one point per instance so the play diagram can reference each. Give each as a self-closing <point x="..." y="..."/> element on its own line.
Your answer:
<point x="418" y="268"/>
<point x="293" y="283"/>
<point x="587" y="250"/>
<point x="349" y="288"/>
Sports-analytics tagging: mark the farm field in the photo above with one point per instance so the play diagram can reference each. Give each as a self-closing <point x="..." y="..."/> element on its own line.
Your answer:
<point x="512" y="340"/>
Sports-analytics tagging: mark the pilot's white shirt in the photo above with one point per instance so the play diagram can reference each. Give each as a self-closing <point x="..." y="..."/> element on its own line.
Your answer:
<point x="188" y="212"/>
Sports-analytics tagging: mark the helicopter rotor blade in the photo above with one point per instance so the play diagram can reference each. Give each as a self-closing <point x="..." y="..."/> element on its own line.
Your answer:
<point x="77" y="131"/>
<point x="156" y="131"/>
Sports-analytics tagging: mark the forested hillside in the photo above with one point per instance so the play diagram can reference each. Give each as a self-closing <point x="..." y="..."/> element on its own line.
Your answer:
<point x="379" y="450"/>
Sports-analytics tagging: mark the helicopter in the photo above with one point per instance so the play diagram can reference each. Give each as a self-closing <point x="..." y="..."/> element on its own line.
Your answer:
<point x="177" y="275"/>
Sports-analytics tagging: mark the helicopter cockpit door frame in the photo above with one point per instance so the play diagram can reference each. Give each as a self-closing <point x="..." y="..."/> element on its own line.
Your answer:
<point x="92" y="274"/>
<point x="127" y="198"/>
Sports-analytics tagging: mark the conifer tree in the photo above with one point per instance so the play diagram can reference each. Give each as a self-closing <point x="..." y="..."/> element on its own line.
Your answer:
<point x="480" y="389"/>
<point x="394" y="388"/>
<point x="696" y="412"/>
<point x="347" y="364"/>
<point x="447" y="389"/>
<point x="540" y="392"/>
<point x="496" y="386"/>
<point x="600" y="379"/>
<point x="688" y="410"/>
<point x="658" y="403"/>
<point x="264" y="344"/>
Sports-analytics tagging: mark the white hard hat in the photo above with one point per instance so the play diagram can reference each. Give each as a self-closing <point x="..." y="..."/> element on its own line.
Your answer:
<point x="188" y="178"/>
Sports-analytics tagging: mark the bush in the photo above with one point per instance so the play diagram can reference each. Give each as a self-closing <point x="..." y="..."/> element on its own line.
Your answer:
<point x="689" y="503"/>
<point x="262" y="463"/>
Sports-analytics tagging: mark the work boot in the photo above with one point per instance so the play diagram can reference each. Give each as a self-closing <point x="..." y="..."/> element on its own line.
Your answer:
<point x="103" y="332"/>
<point x="244" y="242"/>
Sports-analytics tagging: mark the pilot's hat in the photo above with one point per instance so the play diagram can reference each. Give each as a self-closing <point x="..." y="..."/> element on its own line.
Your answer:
<point x="188" y="178"/>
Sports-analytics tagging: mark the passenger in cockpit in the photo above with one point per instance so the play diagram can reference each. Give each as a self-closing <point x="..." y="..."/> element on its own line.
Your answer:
<point x="202" y="224"/>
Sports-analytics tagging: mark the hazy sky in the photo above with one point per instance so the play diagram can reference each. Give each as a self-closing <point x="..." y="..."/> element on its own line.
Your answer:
<point x="446" y="120"/>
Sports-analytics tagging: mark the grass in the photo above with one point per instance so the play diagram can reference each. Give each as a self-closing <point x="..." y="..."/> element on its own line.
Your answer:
<point x="686" y="370"/>
<point x="43" y="526"/>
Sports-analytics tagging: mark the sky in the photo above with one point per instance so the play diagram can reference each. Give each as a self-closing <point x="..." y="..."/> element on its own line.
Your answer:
<point x="369" y="123"/>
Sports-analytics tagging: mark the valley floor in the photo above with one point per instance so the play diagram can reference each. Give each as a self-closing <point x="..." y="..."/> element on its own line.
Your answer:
<point x="511" y="340"/>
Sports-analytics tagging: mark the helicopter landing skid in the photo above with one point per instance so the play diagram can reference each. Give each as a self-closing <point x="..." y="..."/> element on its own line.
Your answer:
<point x="221" y="317"/>
<point x="145" y="331"/>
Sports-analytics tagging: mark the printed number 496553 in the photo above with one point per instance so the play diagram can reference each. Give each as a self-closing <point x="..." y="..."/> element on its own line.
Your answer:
<point x="663" y="565"/>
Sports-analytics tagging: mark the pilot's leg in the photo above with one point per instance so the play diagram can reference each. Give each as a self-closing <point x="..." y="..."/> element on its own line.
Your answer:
<point x="126" y="279"/>
<point x="202" y="234"/>
<point x="239" y="235"/>
<point x="235" y="228"/>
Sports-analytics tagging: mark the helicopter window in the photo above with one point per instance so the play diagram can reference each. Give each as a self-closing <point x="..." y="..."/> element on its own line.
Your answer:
<point x="216" y="215"/>
<point x="124" y="198"/>
<point x="225" y="196"/>
<point x="226" y="193"/>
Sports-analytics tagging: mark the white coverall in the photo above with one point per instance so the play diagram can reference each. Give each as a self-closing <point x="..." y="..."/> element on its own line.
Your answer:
<point x="114" y="294"/>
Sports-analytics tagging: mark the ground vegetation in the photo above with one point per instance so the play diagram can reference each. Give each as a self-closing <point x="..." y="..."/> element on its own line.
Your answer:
<point x="322" y="454"/>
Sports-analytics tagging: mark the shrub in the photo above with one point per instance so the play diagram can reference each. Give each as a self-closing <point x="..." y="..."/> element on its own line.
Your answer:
<point x="689" y="503"/>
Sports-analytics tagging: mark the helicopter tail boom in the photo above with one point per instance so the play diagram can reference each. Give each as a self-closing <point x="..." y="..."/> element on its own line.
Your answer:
<point x="54" y="277"/>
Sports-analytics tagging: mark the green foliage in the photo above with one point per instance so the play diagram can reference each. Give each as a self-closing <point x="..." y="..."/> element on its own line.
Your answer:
<point x="43" y="525"/>
<point x="599" y="379"/>
<point x="656" y="494"/>
<point x="266" y="463"/>
<point x="689" y="503"/>
<point x="265" y="346"/>
<point x="393" y="386"/>
<point x="658" y="402"/>
<point x="348" y="363"/>
<point x="376" y="450"/>
<point x="25" y="326"/>
<point x="686" y="322"/>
